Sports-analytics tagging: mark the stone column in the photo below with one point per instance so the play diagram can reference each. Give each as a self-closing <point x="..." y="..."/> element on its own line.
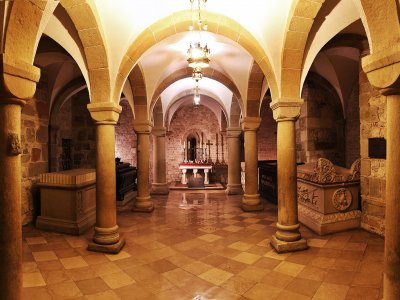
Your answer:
<point x="234" y="186"/>
<point x="383" y="72"/>
<point x="391" y="280"/>
<point x="106" y="237"/>
<point x="18" y="82"/>
<point x="159" y="185"/>
<point x="287" y="237"/>
<point x="251" y="198"/>
<point x="143" y="201"/>
<point x="10" y="199"/>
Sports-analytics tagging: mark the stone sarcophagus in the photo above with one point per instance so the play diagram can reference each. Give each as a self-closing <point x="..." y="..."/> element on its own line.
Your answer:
<point x="328" y="196"/>
<point x="67" y="201"/>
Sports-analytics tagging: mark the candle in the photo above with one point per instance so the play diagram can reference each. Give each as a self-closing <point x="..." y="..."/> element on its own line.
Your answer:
<point x="188" y="144"/>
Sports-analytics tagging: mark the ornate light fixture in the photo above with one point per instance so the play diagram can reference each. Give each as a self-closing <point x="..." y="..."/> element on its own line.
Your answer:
<point x="196" y="97"/>
<point x="198" y="56"/>
<point x="197" y="74"/>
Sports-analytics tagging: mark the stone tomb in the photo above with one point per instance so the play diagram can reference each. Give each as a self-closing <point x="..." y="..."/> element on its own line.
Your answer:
<point x="67" y="201"/>
<point x="328" y="196"/>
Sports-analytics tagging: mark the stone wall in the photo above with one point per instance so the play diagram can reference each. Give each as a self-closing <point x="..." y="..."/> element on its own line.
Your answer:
<point x="125" y="136"/>
<point x="352" y="127"/>
<point x="83" y="133"/>
<point x="320" y="129"/>
<point x="189" y="119"/>
<point x="266" y="135"/>
<point x="73" y="122"/>
<point x="34" y="158"/>
<point x="373" y="183"/>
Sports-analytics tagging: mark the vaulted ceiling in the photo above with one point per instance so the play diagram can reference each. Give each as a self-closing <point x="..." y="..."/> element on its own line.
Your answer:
<point x="124" y="22"/>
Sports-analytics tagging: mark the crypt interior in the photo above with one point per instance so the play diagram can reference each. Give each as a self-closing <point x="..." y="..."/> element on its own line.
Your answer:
<point x="200" y="149"/>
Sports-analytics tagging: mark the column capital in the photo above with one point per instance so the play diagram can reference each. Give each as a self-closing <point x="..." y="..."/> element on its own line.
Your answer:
<point x="104" y="112"/>
<point x="142" y="126"/>
<point x="233" y="132"/>
<point x="383" y="69"/>
<point x="250" y="123"/>
<point x="159" y="131"/>
<point x="286" y="109"/>
<point x="19" y="78"/>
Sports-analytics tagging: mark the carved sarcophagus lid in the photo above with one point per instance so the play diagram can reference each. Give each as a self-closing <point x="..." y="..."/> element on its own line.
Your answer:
<point x="328" y="196"/>
<point x="323" y="171"/>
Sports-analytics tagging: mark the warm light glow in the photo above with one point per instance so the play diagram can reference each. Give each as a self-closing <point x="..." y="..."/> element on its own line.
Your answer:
<point x="197" y="74"/>
<point x="196" y="97"/>
<point x="196" y="100"/>
<point x="198" y="56"/>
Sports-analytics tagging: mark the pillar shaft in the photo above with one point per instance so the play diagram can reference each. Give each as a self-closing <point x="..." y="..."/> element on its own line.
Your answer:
<point x="251" y="162"/>
<point x="251" y="199"/>
<point x="106" y="213"/>
<point x="287" y="173"/>
<point x="143" y="201"/>
<point x="391" y="281"/>
<point x="106" y="237"/>
<point x="10" y="200"/>
<point x="159" y="185"/>
<point x="287" y="237"/>
<point x="143" y="164"/>
<point x="234" y="186"/>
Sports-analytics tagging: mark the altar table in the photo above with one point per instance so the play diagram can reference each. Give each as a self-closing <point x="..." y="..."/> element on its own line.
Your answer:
<point x="195" y="167"/>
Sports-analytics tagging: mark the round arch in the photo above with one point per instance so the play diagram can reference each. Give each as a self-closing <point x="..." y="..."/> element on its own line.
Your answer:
<point x="187" y="72"/>
<point x="179" y="22"/>
<point x="300" y="21"/>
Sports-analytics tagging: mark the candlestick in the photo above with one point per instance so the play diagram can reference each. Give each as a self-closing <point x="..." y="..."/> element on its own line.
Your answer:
<point x="216" y="144"/>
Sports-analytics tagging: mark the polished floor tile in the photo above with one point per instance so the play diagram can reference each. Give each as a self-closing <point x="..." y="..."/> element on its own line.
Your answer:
<point x="201" y="245"/>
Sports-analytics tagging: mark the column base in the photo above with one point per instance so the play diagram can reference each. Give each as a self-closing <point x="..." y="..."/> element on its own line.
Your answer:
<point x="143" y="204"/>
<point x="251" y="203"/>
<point x="234" y="189"/>
<point x="282" y="246"/>
<point x="159" y="189"/>
<point x="113" y="248"/>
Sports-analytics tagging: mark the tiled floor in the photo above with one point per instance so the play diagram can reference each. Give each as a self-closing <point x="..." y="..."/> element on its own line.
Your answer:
<point x="201" y="245"/>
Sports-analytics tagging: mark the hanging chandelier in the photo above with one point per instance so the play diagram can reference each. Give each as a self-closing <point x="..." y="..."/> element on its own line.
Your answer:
<point x="198" y="56"/>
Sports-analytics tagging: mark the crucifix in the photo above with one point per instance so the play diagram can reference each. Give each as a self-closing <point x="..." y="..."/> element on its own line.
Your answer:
<point x="209" y="151"/>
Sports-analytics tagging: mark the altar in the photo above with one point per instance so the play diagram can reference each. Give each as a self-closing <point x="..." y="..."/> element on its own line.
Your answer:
<point x="195" y="167"/>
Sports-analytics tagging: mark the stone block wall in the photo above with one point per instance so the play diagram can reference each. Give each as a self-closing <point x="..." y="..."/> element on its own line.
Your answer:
<point x="73" y="121"/>
<point x="320" y="128"/>
<point x="373" y="183"/>
<point x="34" y="140"/>
<point x="266" y="135"/>
<point x="190" y="119"/>
<point x="125" y="136"/>
<point x="352" y="125"/>
<point x="83" y="132"/>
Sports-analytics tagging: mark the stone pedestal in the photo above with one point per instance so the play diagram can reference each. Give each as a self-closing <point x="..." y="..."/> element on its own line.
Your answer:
<point x="328" y="196"/>
<point x="67" y="201"/>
